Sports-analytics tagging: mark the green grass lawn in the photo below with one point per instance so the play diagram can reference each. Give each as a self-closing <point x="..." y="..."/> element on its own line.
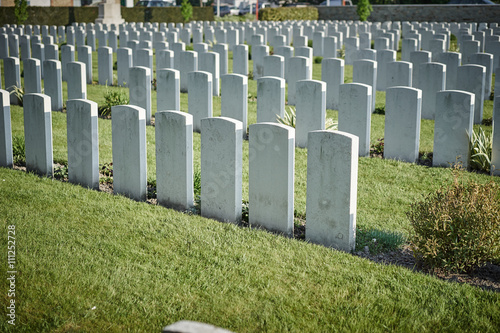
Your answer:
<point x="90" y="261"/>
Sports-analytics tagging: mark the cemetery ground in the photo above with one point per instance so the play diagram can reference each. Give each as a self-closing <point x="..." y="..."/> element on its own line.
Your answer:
<point x="90" y="261"/>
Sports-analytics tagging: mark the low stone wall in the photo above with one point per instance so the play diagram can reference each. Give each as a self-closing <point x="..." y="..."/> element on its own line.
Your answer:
<point x="421" y="13"/>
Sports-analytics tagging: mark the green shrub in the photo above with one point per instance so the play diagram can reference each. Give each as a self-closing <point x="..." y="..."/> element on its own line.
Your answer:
<point x="288" y="13"/>
<point x="481" y="147"/>
<point x="112" y="98"/>
<point x="21" y="11"/>
<point x="18" y="150"/>
<point x="290" y="117"/>
<point x="457" y="228"/>
<point x="186" y="10"/>
<point x="318" y="60"/>
<point x="378" y="241"/>
<point x="364" y="9"/>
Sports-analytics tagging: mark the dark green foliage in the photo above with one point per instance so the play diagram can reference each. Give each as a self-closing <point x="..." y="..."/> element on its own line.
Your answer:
<point x="379" y="110"/>
<point x="106" y="171"/>
<point x="288" y="13"/>
<point x="186" y="10"/>
<point x="112" y="98"/>
<point x="166" y="14"/>
<point x="197" y="183"/>
<point x="457" y="228"/>
<point x="51" y="15"/>
<point x="318" y="60"/>
<point x="18" y="150"/>
<point x="377" y="148"/>
<point x="20" y="11"/>
<point x="364" y="9"/>
<point x="61" y="172"/>
<point x="378" y="241"/>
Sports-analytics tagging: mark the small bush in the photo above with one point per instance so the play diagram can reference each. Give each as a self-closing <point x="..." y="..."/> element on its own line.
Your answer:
<point x="318" y="60"/>
<point x="18" y="150"/>
<point x="457" y="228"/>
<point x="288" y="13"/>
<point x="112" y="98"/>
<point x="378" y="241"/>
<point x="379" y="110"/>
<point x="481" y="148"/>
<point x="377" y="148"/>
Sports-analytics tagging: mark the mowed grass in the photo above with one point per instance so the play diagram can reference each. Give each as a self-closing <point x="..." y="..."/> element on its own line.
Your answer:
<point x="92" y="262"/>
<point x="143" y="266"/>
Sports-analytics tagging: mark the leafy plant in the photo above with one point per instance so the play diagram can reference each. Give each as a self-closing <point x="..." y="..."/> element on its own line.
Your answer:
<point x="457" y="228"/>
<point x="318" y="60"/>
<point x="290" y="120"/>
<point x="18" y="150"/>
<point x="364" y="9"/>
<point x="106" y="170"/>
<point x="112" y="98"/>
<point x="481" y="147"/>
<point x="21" y="11"/>
<point x="377" y="148"/>
<point x="61" y="172"/>
<point x="379" y="110"/>
<point x="186" y="10"/>
<point x="378" y="241"/>
<point x="18" y="92"/>
<point x="341" y="52"/>
<point x="289" y="117"/>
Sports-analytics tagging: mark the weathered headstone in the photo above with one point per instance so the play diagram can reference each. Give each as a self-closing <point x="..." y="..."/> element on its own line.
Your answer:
<point x="200" y="103"/>
<point x="402" y="123"/>
<point x="77" y="85"/>
<point x="274" y="65"/>
<point x="189" y="63"/>
<point x="105" y="65"/>
<point x="240" y="59"/>
<point x="332" y="72"/>
<point x="83" y="143"/>
<point x="234" y="98"/>
<point x="174" y="159"/>
<point x="209" y="62"/>
<point x="310" y="109"/>
<point x="471" y="78"/>
<point x="12" y="77"/>
<point x="451" y="60"/>
<point x="222" y="50"/>
<point x="53" y="83"/>
<point x="221" y="169"/>
<point x="452" y="125"/>
<point x="432" y="79"/>
<point x="129" y="151"/>
<point x="140" y="89"/>
<point x="67" y="56"/>
<point x="270" y="99"/>
<point x="383" y="58"/>
<point x="6" y="154"/>
<point x="399" y="73"/>
<point x="486" y="60"/>
<point x="123" y="65"/>
<point x="32" y="76"/>
<point x="355" y="113"/>
<point x="332" y="163"/>
<point x="85" y="56"/>
<point x="298" y="69"/>
<point x="168" y="89"/>
<point x="38" y="134"/>
<point x="271" y="176"/>
<point x="365" y="71"/>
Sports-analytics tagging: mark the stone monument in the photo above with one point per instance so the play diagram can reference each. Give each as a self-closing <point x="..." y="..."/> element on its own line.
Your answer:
<point x="110" y="13"/>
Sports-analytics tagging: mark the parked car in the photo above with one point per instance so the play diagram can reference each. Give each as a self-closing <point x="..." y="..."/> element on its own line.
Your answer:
<point x="234" y="10"/>
<point x="246" y="10"/>
<point x="155" y="3"/>
<point x="224" y="10"/>
<point x="336" y="3"/>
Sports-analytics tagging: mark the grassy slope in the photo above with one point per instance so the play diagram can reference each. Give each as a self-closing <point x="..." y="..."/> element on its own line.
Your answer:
<point x="143" y="267"/>
<point x="78" y="249"/>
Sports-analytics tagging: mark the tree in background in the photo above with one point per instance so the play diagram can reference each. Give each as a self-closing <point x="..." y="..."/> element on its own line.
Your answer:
<point x="21" y="11"/>
<point x="186" y="10"/>
<point x="364" y="9"/>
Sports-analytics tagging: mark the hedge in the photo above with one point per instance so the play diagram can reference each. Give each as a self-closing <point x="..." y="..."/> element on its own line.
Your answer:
<point x="67" y="15"/>
<point x="288" y="13"/>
